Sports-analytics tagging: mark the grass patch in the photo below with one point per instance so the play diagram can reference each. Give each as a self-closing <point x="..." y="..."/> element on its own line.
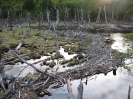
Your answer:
<point x="40" y="42"/>
<point x="51" y="64"/>
<point x="129" y="36"/>
<point x="74" y="61"/>
<point x="29" y="75"/>
<point x="57" y="56"/>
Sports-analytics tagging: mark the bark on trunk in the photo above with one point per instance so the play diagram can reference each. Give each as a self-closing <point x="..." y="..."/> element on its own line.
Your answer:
<point x="69" y="88"/>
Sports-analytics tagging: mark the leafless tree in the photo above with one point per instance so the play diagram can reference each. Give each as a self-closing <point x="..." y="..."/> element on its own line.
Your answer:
<point x="66" y="14"/>
<point x="82" y="16"/>
<point x="80" y="91"/>
<point x="48" y="18"/>
<point x="39" y="20"/>
<point x="69" y="88"/>
<point x="129" y="91"/>
<point x="21" y="15"/>
<point x="98" y="17"/>
<point x="57" y="15"/>
<point x="57" y="47"/>
<point x="104" y="7"/>
<point x="89" y="20"/>
<point x="113" y="5"/>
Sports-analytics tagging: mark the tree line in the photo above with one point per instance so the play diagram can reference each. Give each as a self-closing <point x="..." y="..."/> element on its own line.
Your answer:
<point x="117" y="9"/>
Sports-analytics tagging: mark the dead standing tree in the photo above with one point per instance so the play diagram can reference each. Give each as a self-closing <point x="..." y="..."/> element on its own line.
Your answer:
<point x="82" y="16"/>
<point x="57" y="47"/>
<point x="9" y="24"/>
<point x="98" y="17"/>
<point x="57" y="15"/>
<point x="40" y="19"/>
<point x="66" y="15"/>
<point x="48" y="18"/>
<point x="21" y="15"/>
<point x="1" y="23"/>
<point x="69" y="88"/>
<point x="113" y="5"/>
<point x="89" y="20"/>
<point x="104" y="7"/>
<point x="80" y="91"/>
<point x="129" y="91"/>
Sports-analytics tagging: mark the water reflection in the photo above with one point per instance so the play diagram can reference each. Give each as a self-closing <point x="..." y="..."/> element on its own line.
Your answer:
<point x="103" y="87"/>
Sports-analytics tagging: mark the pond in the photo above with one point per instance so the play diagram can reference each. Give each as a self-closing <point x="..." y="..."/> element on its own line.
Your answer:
<point x="101" y="86"/>
<point x="98" y="86"/>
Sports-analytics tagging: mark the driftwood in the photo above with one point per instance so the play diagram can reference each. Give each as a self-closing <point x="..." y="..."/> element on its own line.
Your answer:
<point x="93" y="29"/>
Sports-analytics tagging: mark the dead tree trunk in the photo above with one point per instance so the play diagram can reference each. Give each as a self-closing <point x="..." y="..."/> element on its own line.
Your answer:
<point x="105" y="14"/>
<point x="0" y="54"/>
<point x="75" y="16"/>
<point x="57" y="15"/>
<point x="66" y="15"/>
<point x="21" y="15"/>
<point x="113" y="10"/>
<point x="69" y="88"/>
<point x="10" y="22"/>
<point x="48" y="18"/>
<point x="39" y="20"/>
<point x="82" y="16"/>
<point x="78" y="14"/>
<point x="89" y="20"/>
<point x="8" y="17"/>
<point x="29" y="21"/>
<point x="1" y="23"/>
<point x="29" y="26"/>
<point x="80" y="91"/>
<point x="98" y="17"/>
<point x="57" y="48"/>
<point x="41" y="15"/>
<point x="129" y="91"/>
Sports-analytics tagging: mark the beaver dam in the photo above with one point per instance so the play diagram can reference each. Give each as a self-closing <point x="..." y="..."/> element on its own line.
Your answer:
<point x="36" y="61"/>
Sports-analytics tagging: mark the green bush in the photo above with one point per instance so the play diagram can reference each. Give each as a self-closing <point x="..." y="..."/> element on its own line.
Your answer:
<point x="65" y="61"/>
<point x="0" y="29"/>
<point x="37" y="34"/>
<point x="44" y="62"/>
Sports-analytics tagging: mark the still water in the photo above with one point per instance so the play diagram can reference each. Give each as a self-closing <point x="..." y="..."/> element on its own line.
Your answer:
<point x="101" y="86"/>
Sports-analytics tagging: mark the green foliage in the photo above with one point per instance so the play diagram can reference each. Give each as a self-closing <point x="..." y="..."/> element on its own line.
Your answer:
<point x="0" y="29"/>
<point x="29" y="5"/>
<point x="129" y="36"/>
<point x="37" y="34"/>
<point x="122" y="7"/>
<point x="128" y="14"/>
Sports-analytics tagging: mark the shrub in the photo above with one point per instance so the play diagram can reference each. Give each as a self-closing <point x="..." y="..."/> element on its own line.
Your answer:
<point x="52" y="64"/>
<point x="0" y="29"/>
<point x="44" y="62"/>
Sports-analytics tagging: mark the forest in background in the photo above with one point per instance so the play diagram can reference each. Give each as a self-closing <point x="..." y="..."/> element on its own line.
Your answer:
<point x="122" y="9"/>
